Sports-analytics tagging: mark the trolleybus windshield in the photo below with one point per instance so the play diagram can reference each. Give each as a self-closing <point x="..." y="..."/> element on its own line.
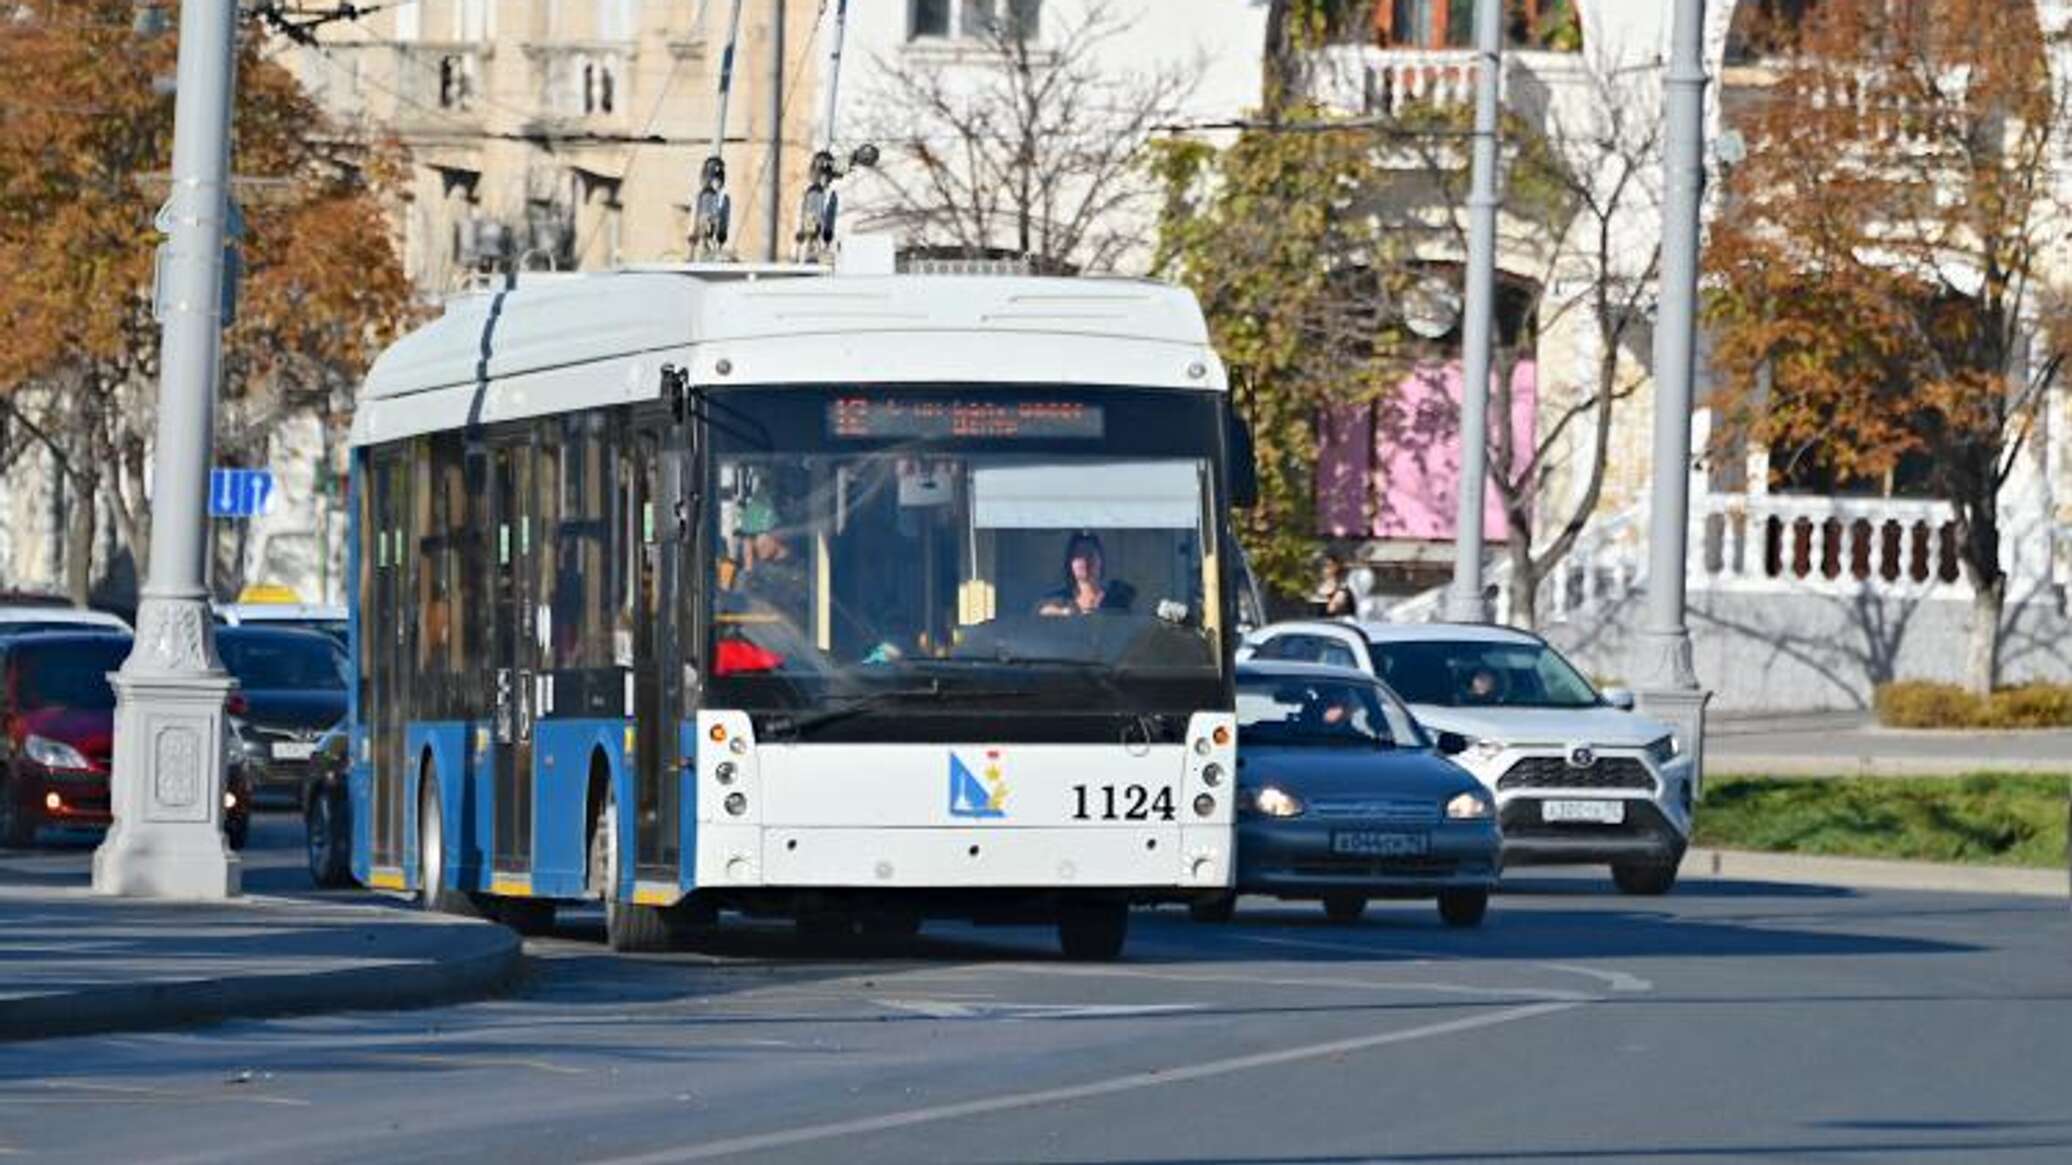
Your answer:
<point x="949" y="546"/>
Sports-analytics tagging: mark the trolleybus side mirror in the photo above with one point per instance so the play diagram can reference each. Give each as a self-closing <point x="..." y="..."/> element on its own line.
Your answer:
<point x="1244" y="464"/>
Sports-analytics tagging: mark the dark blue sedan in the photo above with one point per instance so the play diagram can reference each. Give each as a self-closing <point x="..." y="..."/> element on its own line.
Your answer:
<point x="1341" y="798"/>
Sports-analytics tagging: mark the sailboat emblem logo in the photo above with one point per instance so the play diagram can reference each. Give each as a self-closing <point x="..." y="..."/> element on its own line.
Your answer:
<point x="978" y="794"/>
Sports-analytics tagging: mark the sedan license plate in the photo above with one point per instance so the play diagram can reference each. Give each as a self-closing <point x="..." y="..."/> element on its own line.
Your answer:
<point x="1374" y="843"/>
<point x="1592" y="812"/>
<point x="294" y="750"/>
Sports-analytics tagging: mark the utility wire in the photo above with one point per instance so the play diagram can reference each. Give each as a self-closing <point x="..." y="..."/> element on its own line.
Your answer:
<point x="784" y="111"/>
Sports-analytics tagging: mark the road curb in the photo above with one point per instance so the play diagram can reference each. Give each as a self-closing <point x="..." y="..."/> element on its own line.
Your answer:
<point x="494" y="964"/>
<point x="1872" y="874"/>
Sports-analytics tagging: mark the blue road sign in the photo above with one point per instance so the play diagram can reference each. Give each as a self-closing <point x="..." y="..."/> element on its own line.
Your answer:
<point x="240" y="493"/>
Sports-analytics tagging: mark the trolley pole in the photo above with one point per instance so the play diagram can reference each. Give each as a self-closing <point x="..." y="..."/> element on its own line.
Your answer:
<point x="1667" y="682"/>
<point x="170" y="755"/>
<point x="1464" y="600"/>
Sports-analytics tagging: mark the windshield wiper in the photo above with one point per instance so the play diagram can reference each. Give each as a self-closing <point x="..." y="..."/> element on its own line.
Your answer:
<point x="933" y="691"/>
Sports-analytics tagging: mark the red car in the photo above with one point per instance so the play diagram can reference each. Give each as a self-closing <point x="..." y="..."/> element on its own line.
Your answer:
<point x="58" y="711"/>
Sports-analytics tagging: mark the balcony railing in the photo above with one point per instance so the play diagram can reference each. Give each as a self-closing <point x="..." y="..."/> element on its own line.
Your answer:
<point x="440" y="86"/>
<point x="581" y="85"/>
<point x="1390" y="81"/>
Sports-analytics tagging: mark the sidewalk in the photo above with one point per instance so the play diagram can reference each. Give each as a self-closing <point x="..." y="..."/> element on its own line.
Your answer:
<point x="72" y="962"/>
<point x="1871" y="874"/>
<point x="1825" y="744"/>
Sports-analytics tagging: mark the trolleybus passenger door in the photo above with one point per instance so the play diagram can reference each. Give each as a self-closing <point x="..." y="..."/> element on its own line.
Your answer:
<point x="654" y="481"/>
<point x="513" y="647"/>
<point x="387" y="627"/>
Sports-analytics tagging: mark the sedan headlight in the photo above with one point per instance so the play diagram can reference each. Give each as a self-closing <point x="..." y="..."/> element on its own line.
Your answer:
<point x="1273" y="802"/>
<point x="1664" y="749"/>
<point x="53" y="754"/>
<point x="1469" y="807"/>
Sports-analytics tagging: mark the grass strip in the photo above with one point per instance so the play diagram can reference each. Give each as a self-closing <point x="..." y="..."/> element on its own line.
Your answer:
<point x="1997" y="819"/>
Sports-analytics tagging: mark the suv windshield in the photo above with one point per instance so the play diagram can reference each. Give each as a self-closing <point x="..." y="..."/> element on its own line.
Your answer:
<point x="1465" y="673"/>
<point x="304" y="661"/>
<point x="70" y="673"/>
<point x="1051" y="543"/>
<point x="1321" y="713"/>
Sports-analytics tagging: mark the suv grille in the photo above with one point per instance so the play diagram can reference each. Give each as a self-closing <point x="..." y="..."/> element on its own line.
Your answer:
<point x="1553" y="772"/>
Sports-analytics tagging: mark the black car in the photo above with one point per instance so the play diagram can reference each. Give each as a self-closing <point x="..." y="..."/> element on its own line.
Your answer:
<point x="291" y="691"/>
<point x="1341" y="798"/>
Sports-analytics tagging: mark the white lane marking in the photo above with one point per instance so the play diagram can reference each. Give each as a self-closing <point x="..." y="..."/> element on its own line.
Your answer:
<point x="133" y="1093"/>
<point x="442" y="1060"/>
<point x="989" y="1009"/>
<point x="1553" y="993"/>
<point x="1619" y="980"/>
<point x="1150" y="1078"/>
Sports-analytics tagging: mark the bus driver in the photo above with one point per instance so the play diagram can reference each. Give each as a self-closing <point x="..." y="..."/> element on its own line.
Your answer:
<point x="1086" y="588"/>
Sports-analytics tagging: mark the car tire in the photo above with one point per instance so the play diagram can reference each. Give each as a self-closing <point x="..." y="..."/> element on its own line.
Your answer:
<point x="629" y="927"/>
<point x="1463" y="908"/>
<point x="1644" y="878"/>
<point x="236" y="831"/>
<point x="433" y="896"/>
<point x="17" y="825"/>
<point x="1221" y="908"/>
<point x="1093" y="932"/>
<point x="1344" y="909"/>
<point x="325" y="843"/>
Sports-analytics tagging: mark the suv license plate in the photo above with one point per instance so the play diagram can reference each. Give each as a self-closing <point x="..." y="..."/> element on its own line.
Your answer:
<point x="1594" y="812"/>
<point x="1370" y="843"/>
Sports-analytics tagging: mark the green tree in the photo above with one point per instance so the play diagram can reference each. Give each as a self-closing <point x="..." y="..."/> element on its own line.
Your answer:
<point x="1279" y="237"/>
<point x="85" y="147"/>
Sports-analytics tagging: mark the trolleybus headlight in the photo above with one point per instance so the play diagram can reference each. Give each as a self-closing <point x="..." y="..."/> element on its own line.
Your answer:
<point x="1204" y="805"/>
<point x="1212" y="775"/>
<point x="1221" y="735"/>
<point x="724" y="774"/>
<point x="737" y="804"/>
<point x="738" y="745"/>
<point x="1201" y="746"/>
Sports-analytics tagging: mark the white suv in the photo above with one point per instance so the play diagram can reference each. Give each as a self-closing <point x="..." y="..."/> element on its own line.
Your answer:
<point x="1578" y="776"/>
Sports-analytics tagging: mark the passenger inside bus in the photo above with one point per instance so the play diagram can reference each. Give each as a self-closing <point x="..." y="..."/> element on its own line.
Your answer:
<point x="1086" y="589"/>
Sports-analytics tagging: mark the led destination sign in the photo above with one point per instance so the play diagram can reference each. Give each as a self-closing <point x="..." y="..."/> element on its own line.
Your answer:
<point x="924" y="417"/>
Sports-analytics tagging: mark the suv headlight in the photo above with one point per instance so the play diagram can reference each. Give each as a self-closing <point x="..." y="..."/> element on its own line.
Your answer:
<point x="1468" y="806"/>
<point x="1664" y="749"/>
<point x="1273" y="802"/>
<point x="53" y="754"/>
<point x="1484" y="748"/>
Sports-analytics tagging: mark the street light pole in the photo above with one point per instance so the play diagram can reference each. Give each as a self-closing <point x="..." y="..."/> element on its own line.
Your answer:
<point x="167" y="840"/>
<point x="1464" y="599"/>
<point x="1667" y="682"/>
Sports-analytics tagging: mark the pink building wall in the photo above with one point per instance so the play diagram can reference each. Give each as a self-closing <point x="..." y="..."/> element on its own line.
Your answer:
<point x="1391" y="469"/>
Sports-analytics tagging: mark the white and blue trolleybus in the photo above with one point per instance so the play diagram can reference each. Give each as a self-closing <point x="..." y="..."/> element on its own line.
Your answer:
<point x="835" y="594"/>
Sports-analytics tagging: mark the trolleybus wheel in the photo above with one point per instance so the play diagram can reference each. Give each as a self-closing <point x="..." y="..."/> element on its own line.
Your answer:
<point x="1093" y="931"/>
<point x="628" y="926"/>
<point x="432" y="893"/>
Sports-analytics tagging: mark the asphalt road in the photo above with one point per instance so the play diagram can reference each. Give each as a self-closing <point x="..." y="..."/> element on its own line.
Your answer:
<point x="1728" y="1021"/>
